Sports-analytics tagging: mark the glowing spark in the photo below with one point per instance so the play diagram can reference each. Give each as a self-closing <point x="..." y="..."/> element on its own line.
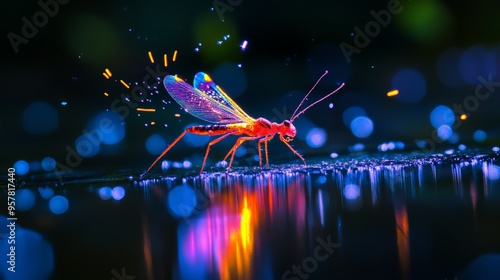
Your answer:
<point x="106" y="94"/>
<point x="145" y="110"/>
<point x="108" y="72"/>
<point x="165" y="60"/>
<point x="244" y="45"/>
<point x="175" y="56"/>
<point x="463" y="117"/>
<point x="125" y="84"/>
<point x="393" y="93"/>
<point x="105" y="75"/>
<point x="177" y="115"/>
<point x="151" y="57"/>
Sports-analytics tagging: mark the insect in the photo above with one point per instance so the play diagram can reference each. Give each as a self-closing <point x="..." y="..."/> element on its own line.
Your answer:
<point x="207" y="101"/>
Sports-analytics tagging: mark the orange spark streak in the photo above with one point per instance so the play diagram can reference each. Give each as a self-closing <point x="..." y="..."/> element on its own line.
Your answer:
<point x="145" y="110"/>
<point x="393" y="93"/>
<point x="125" y="84"/>
<point x="151" y="57"/>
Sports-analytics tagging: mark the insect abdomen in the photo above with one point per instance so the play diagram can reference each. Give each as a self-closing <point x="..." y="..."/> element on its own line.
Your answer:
<point x="209" y="129"/>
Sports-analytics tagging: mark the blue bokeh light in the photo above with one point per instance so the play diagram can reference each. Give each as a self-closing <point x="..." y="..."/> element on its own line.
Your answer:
<point x="316" y="137"/>
<point x="485" y="266"/>
<point x="118" y="193"/>
<point x="493" y="172"/>
<point x="48" y="164"/>
<point x="105" y="193"/>
<point x="474" y="62"/>
<point x="87" y="145"/>
<point x="442" y="115"/>
<point x="34" y="255"/>
<point x="46" y="192"/>
<point x="181" y="201"/>
<point x="479" y="136"/>
<point x="25" y="199"/>
<point x="108" y="127"/>
<point x="155" y="144"/>
<point x="241" y="151"/>
<point x="351" y="191"/>
<point x="351" y="113"/>
<point x="231" y="78"/>
<point x="194" y="140"/>
<point x="411" y="84"/>
<point x="362" y="127"/>
<point x="40" y="118"/>
<point x="358" y="147"/>
<point x="444" y="132"/>
<point x="22" y="167"/>
<point x="58" y="204"/>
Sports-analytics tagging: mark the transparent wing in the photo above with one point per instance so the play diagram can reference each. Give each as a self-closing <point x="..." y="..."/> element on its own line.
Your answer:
<point x="204" y="83"/>
<point x="198" y="103"/>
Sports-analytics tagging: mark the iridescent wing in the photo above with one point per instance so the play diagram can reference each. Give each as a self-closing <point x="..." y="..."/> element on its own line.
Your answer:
<point x="201" y="104"/>
<point x="204" y="83"/>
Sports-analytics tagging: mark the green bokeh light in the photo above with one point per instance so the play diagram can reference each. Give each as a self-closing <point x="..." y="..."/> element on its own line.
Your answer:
<point x="94" y="37"/>
<point x="426" y="22"/>
<point x="208" y="29"/>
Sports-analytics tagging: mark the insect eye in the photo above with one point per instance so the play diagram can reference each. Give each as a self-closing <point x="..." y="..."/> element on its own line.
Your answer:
<point x="286" y="123"/>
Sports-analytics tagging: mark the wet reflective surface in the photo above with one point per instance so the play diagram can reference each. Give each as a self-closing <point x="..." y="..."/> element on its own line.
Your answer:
<point x="365" y="217"/>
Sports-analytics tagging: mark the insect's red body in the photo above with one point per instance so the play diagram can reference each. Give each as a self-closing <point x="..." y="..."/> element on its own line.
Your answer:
<point x="208" y="102"/>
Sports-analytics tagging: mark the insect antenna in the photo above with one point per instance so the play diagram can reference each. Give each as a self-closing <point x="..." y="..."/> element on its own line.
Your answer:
<point x="296" y="115"/>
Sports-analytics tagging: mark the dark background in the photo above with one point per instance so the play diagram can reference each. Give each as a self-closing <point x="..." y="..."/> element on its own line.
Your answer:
<point x="290" y="44"/>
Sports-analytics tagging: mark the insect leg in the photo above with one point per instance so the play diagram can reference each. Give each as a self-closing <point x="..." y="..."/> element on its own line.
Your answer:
<point x="265" y="140"/>
<point x="285" y="141"/>
<point x="235" y="147"/>
<point x="166" y="150"/>
<point x="213" y="142"/>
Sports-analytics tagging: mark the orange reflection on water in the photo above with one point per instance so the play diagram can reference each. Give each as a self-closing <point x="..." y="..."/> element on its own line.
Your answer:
<point x="236" y="258"/>
<point x="222" y="238"/>
<point x="402" y="235"/>
<point x="220" y="241"/>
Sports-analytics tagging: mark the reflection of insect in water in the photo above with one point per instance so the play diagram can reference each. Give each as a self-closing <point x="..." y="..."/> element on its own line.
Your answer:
<point x="207" y="101"/>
